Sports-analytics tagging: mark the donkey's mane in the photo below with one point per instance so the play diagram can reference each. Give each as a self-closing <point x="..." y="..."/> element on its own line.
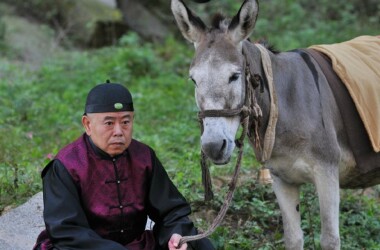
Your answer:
<point x="220" y="22"/>
<point x="269" y="46"/>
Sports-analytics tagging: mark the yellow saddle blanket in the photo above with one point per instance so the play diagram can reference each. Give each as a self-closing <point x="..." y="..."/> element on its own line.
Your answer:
<point x="357" y="63"/>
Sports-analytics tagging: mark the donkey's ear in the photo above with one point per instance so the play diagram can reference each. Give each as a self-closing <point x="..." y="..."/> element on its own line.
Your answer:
<point x="190" y="25"/>
<point x="243" y="23"/>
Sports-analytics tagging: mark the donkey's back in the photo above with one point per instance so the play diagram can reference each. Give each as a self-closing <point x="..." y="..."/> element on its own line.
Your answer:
<point x="317" y="126"/>
<point x="311" y="142"/>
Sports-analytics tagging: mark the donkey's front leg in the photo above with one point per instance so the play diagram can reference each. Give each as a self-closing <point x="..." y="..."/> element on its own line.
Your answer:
<point x="288" y="197"/>
<point x="327" y="184"/>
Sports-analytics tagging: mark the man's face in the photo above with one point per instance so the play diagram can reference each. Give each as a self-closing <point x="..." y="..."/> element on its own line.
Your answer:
<point x="111" y="132"/>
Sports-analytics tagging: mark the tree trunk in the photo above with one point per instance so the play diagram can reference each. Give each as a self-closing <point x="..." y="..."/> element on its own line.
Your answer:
<point x="146" y="18"/>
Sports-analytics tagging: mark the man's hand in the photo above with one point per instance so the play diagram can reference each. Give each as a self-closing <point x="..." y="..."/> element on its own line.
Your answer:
<point x="174" y="242"/>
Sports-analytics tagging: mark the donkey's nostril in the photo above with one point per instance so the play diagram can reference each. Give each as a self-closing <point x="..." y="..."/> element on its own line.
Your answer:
<point x="223" y="146"/>
<point x="215" y="150"/>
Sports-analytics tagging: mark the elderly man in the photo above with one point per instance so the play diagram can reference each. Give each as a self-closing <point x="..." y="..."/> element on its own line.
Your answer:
<point x="100" y="189"/>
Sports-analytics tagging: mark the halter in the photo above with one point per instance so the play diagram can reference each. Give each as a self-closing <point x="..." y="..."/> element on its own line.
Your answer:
<point x="250" y="115"/>
<point x="250" y="111"/>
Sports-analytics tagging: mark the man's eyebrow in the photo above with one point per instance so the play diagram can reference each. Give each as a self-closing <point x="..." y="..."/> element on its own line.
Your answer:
<point x="109" y="118"/>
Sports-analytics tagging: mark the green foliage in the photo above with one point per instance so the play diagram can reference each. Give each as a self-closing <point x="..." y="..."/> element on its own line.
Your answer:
<point x="18" y="175"/>
<point x="360" y="224"/>
<point x="319" y="22"/>
<point x="258" y="219"/>
<point x="41" y="110"/>
<point x="293" y="24"/>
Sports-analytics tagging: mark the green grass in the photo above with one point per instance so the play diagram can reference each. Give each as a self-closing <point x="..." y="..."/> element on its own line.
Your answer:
<point x="41" y="111"/>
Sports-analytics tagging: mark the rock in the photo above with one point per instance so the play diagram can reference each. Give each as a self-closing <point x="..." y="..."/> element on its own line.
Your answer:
<point x="26" y="40"/>
<point x="110" y="3"/>
<point x="21" y="226"/>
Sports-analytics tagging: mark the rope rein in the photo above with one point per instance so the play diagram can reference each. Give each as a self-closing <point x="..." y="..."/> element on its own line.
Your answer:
<point x="251" y="115"/>
<point x="232" y="185"/>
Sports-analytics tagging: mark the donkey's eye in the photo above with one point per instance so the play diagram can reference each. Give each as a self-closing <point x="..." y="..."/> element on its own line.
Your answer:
<point x="234" y="77"/>
<point x="195" y="83"/>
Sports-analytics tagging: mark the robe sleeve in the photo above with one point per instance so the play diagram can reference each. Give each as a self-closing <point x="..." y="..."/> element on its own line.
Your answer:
<point x="169" y="209"/>
<point x="65" y="220"/>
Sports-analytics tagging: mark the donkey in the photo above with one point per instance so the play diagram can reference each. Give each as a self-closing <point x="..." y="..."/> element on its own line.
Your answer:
<point x="311" y="144"/>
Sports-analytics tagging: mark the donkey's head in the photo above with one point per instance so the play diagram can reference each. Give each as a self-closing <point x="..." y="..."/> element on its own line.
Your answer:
<point x="217" y="71"/>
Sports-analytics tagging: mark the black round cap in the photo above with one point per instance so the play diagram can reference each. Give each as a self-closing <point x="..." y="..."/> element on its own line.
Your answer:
<point x="108" y="97"/>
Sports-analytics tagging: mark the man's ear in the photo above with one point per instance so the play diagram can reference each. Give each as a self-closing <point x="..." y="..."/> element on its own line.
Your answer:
<point x="86" y="124"/>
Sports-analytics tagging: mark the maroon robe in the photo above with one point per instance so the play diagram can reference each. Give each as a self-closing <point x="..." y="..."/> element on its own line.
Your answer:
<point x="94" y="201"/>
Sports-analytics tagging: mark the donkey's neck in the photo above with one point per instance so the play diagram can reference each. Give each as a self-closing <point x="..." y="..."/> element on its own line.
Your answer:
<point x="289" y="74"/>
<point x="254" y="61"/>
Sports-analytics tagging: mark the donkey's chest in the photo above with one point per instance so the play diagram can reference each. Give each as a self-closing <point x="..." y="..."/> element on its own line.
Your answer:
<point x="292" y="170"/>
